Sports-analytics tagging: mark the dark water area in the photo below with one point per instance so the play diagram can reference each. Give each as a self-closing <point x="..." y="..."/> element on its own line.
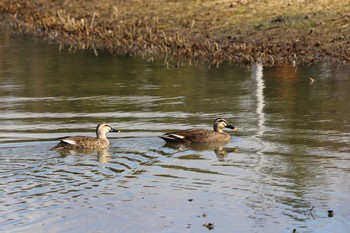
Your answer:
<point x="286" y="166"/>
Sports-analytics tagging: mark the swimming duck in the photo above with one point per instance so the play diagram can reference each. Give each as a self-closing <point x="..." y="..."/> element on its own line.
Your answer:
<point x="201" y="135"/>
<point x="87" y="142"/>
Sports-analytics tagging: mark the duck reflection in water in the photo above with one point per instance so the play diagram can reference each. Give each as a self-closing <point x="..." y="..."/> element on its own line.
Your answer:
<point x="103" y="155"/>
<point x="220" y="151"/>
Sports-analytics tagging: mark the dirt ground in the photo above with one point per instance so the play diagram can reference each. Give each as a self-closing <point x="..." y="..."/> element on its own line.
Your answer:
<point x="179" y="31"/>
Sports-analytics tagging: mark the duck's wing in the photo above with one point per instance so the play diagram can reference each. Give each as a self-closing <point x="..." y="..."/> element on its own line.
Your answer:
<point x="187" y="136"/>
<point x="172" y="137"/>
<point x="196" y="136"/>
<point x="73" y="141"/>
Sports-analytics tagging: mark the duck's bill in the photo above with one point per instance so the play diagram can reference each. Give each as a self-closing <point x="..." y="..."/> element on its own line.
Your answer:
<point x="115" y="130"/>
<point x="231" y="127"/>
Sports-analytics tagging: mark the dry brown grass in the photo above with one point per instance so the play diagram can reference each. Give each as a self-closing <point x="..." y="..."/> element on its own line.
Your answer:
<point x="271" y="31"/>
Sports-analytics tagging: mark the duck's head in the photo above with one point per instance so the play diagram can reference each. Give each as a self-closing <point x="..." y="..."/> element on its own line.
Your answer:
<point x="220" y="124"/>
<point x="104" y="128"/>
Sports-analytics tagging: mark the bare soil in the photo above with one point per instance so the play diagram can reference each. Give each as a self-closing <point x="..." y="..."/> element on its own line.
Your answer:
<point x="272" y="32"/>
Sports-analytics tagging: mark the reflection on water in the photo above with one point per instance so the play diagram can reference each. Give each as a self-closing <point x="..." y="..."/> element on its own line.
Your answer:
<point x="257" y="73"/>
<point x="103" y="155"/>
<point x="218" y="148"/>
<point x="291" y="151"/>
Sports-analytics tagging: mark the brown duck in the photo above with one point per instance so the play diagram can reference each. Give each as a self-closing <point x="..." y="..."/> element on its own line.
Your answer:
<point x="201" y="135"/>
<point x="86" y="142"/>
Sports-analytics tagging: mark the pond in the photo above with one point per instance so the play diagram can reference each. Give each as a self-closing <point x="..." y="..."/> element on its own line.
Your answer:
<point x="284" y="169"/>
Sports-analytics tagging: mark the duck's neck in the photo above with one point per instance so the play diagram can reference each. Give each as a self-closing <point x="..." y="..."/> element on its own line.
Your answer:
<point x="217" y="129"/>
<point x="101" y="135"/>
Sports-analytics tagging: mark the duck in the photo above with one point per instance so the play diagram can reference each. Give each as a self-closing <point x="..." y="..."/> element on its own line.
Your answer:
<point x="86" y="142"/>
<point x="201" y="135"/>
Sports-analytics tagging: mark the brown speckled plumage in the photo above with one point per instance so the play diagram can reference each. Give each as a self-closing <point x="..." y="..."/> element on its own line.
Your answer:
<point x="86" y="142"/>
<point x="201" y="135"/>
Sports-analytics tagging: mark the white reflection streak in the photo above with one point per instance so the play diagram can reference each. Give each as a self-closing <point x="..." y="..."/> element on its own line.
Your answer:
<point x="260" y="85"/>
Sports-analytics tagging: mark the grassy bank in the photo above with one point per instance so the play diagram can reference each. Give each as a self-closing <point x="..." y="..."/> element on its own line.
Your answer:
<point x="273" y="32"/>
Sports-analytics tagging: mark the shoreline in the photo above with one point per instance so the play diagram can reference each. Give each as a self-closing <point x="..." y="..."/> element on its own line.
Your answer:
<point x="242" y="32"/>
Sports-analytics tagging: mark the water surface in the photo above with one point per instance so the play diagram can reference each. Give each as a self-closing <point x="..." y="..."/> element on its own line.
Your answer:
<point x="284" y="169"/>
